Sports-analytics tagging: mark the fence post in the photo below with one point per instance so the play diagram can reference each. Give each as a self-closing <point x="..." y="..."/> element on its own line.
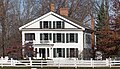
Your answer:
<point x="58" y="63"/>
<point x="92" y="63"/>
<point x="76" y="63"/>
<point x="11" y="61"/>
<point x="1" y="62"/>
<point x="107" y="62"/>
<point x="41" y="64"/>
<point x="110" y="62"/>
<point x="30" y="61"/>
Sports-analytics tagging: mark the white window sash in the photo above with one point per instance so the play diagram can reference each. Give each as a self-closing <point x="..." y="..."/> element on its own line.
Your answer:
<point x="61" y="24"/>
<point x="69" y="52"/>
<point x="68" y="37"/>
<point x="75" y="37"/>
<point x="48" y="36"/>
<point x="56" y="52"/>
<point x="55" y="24"/>
<point x="48" y="25"/>
<point x="42" y="36"/>
<point x="55" y="37"/>
<point x="61" y="37"/>
<point x="62" y="51"/>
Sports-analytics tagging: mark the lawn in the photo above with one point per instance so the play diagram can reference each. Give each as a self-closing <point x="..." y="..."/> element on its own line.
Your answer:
<point x="57" y="68"/>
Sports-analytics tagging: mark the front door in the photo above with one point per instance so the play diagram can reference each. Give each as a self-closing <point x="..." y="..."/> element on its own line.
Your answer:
<point x="43" y="52"/>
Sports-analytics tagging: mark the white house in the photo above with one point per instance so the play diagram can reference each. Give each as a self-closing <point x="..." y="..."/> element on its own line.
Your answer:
<point x="55" y="36"/>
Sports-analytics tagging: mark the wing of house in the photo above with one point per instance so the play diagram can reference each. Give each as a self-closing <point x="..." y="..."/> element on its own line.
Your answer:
<point x="53" y="36"/>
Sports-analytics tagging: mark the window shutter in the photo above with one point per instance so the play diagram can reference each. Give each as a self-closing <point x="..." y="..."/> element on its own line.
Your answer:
<point x="50" y="36"/>
<point x="66" y="37"/>
<point x="63" y="24"/>
<point x="49" y="24"/>
<point x="53" y="24"/>
<point x="53" y="37"/>
<point x="54" y="52"/>
<point x="40" y="24"/>
<point x="76" y="37"/>
<point x="40" y="36"/>
<point x="63" y="38"/>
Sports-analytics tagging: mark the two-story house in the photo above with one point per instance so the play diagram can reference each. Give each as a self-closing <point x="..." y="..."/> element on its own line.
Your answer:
<point x="56" y="36"/>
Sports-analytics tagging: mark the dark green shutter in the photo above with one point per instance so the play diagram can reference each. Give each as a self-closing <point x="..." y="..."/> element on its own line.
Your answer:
<point x="63" y="24"/>
<point x="54" y="55"/>
<point x="54" y="24"/>
<point x="49" y="24"/>
<point x="67" y="52"/>
<point x="50" y="36"/>
<point x="76" y="37"/>
<point x="40" y="24"/>
<point x="53" y="37"/>
<point x="63" y="38"/>
<point x="40" y="36"/>
<point x="67" y="38"/>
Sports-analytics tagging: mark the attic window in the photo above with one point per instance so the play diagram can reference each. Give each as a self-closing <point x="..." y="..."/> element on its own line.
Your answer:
<point x="58" y="24"/>
<point x="45" y="24"/>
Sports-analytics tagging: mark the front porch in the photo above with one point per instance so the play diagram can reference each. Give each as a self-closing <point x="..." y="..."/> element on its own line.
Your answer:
<point x="51" y="51"/>
<point x="48" y="51"/>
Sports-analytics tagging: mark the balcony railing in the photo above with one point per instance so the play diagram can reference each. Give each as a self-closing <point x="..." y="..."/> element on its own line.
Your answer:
<point x="45" y="41"/>
<point x="29" y="41"/>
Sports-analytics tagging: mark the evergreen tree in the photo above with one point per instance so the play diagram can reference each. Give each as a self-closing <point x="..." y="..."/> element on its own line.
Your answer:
<point x="105" y="38"/>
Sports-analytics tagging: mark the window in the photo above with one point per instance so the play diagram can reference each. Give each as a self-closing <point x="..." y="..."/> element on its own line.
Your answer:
<point x="58" y="24"/>
<point x="29" y="36"/>
<point x="72" y="52"/>
<point x="45" y="36"/>
<point x="58" y="52"/>
<point x="71" y="38"/>
<point x="88" y="38"/>
<point x="58" y="38"/>
<point x="45" y="24"/>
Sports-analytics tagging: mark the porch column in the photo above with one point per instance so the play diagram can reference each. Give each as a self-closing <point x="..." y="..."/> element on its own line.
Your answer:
<point x="38" y="53"/>
<point x="51" y="53"/>
<point x="65" y="53"/>
<point x="46" y="53"/>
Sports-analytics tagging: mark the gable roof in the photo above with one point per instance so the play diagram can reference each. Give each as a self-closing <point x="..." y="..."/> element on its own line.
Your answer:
<point x="75" y="23"/>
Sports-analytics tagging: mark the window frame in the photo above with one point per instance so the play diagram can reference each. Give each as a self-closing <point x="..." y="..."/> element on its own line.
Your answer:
<point x="49" y="36"/>
<point x="29" y="36"/>
<point x="58" y="39"/>
<point x="71" y="37"/>
<point x="59" y="52"/>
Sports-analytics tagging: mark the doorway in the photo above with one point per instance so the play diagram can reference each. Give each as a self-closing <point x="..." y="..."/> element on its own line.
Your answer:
<point x="42" y="52"/>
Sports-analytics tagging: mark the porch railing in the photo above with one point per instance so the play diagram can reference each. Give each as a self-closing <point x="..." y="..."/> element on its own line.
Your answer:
<point x="45" y="41"/>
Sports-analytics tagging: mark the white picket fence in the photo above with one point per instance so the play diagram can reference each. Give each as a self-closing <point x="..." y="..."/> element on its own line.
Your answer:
<point x="59" y="63"/>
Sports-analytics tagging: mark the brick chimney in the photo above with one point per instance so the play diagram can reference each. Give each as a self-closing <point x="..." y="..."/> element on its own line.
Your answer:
<point x="64" y="11"/>
<point x="52" y="7"/>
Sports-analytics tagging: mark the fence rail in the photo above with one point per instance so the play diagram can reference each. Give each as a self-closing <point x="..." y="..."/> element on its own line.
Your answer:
<point x="59" y="63"/>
